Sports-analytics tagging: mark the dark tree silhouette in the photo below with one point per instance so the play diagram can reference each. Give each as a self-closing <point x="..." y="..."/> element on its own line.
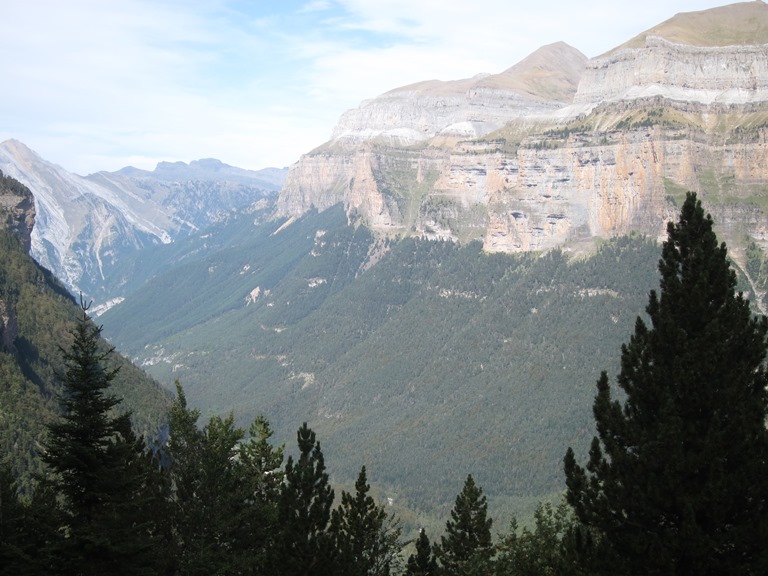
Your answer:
<point x="677" y="479"/>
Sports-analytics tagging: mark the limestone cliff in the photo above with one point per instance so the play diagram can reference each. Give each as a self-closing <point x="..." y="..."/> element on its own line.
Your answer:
<point x="557" y="150"/>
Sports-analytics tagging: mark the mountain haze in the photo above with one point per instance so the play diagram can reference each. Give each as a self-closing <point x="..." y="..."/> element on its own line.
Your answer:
<point x="86" y="226"/>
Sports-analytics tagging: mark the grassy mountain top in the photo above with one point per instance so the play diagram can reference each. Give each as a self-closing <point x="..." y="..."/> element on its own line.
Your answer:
<point x="744" y="23"/>
<point x="550" y="73"/>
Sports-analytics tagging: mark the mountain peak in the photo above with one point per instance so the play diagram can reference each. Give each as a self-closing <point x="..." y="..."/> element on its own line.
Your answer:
<point x="209" y="164"/>
<point x="18" y="149"/>
<point x="550" y="73"/>
<point x="743" y="23"/>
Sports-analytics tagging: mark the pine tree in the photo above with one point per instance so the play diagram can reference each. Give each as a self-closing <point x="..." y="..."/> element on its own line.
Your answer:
<point x="97" y="466"/>
<point x="367" y="541"/>
<point x="677" y="482"/>
<point x="262" y="461"/>
<point x="28" y="528"/>
<point x="259" y="464"/>
<point x="544" y="549"/>
<point x="304" y="545"/>
<point x="422" y="562"/>
<point x="467" y="547"/>
<point x="209" y="498"/>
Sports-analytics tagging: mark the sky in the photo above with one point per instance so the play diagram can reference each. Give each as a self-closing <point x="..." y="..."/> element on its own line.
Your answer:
<point x="96" y="85"/>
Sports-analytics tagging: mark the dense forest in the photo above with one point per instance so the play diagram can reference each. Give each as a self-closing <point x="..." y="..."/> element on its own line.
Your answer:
<point x="381" y="345"/>
<point x="674" y="481"/>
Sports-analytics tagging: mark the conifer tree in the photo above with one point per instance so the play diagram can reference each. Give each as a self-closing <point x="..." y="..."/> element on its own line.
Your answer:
<point x="98" y="467"/>
<point x="677" y="479"/>
<point x="366" y="541"/>
<point x="304" y="545"/>
<point x="28" y="528"/>
<point x="466" y="547"/>
<point x="259" y="466"/>
<point x="546" y="548"/>
<point x="207" y="497"/>
<point x="422" y="562"/>
<point x="262" y="461"/>
<point x="12" y="523"/>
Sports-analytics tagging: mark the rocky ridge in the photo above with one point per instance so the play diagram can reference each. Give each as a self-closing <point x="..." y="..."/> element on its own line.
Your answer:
<point x="659" y="115"/>
<point x="86" y="226"/>
<point x="470" y="108"/>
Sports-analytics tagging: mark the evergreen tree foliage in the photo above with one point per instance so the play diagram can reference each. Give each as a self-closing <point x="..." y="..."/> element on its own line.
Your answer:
<point x="223" y="492"/>
<point x="367" y="540"/>
<point x="259" y="464"/>
<point x="11" y="522"/>
<point x="202" y="484"/>
<point x="466" y="547"/>
<point x="28" y="528"/>
<point x="97" y="468"/>
<point x="423" y="561"/>
<point x="304" y="545"/>
<point x="262" y="461"/>
<point x="547" y="549"/>
<point x="677" y="479"/>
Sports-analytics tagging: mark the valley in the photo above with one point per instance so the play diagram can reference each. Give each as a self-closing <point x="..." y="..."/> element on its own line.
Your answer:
<point x="436" y="289"/>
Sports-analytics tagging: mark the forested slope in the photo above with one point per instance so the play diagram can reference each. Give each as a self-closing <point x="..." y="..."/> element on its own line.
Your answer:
<point x="37" y="316"/>
<point x="422" y="360"/>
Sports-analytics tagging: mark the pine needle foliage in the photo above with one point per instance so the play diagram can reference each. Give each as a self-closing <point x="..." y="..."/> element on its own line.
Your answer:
<point x="677" y="479"/>
<point x="98" y="467"/>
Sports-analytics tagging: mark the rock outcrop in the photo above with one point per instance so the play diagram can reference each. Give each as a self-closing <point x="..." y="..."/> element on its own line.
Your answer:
<point x="17" y="209"/>
<point x="590" y="150"/>
<point x="734" y="75"/>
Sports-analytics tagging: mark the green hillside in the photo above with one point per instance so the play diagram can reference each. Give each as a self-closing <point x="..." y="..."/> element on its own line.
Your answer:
<point x="37" y="316"/>
<point x="437" y="361"/>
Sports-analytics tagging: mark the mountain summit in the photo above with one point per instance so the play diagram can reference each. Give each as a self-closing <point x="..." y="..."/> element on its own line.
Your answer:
<point x="472" y="107"/>
<point x="559" y="150"/>
<point x="742" y="24"/>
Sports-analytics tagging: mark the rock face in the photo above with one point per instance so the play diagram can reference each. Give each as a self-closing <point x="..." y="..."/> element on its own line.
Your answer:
<point x="86" y="226"/>
<point x="467" y="108"/>
<point x="560" y="150"/>
<point x="17" y="213"/>
<point x="723" y="74"/>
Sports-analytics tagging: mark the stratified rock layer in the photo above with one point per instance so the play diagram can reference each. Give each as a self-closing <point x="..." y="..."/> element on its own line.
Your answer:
<point x="558" y="150"/>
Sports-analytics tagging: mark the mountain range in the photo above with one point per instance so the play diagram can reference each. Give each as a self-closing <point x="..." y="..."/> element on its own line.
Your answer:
<point x="436" y="289"/>
<point x="87" y="226"/>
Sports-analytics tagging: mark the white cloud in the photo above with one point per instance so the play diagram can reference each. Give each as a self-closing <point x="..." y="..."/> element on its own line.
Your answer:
<point x="315" y="6"/>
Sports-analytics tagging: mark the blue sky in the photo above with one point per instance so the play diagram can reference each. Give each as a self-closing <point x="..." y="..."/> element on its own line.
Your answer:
<point x="101" y="84"/>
